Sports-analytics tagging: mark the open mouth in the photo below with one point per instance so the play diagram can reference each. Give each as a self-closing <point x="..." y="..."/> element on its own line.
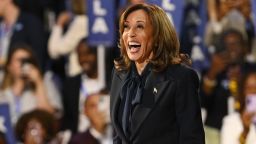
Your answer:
<point x="134" y="46"/>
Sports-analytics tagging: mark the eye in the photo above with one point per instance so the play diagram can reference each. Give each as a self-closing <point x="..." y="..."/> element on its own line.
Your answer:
<point x="126" y="26"/>
<point x="140" y="26"/>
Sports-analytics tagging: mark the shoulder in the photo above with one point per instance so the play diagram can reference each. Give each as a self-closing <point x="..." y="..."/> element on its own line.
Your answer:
<point x="29" y="18"/>
<point x="180" y="71"/>
<point x="118" y="75"/>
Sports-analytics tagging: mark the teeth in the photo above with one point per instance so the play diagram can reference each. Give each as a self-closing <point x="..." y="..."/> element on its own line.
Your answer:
<point x="133" y="43"/>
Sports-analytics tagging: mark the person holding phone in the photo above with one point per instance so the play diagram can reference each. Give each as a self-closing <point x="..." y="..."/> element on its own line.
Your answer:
<point x="240" y="127"/>
<point x="24" y="87"/>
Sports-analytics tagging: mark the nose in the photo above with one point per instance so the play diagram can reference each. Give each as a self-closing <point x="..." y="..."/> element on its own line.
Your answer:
<point x="131" y="33"/>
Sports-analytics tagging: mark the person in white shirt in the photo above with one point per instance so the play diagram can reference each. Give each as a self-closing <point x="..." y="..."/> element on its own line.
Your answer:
<point x="60" y="44"/>
<point x="240" y="127"/>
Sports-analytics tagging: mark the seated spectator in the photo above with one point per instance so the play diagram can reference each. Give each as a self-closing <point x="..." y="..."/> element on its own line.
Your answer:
<point x="36" y="127"/>
<point x="24" y="87"/>
<point x="240" y="127"/>
<point x="97" y="111"/>
<point x="77" y="88"/>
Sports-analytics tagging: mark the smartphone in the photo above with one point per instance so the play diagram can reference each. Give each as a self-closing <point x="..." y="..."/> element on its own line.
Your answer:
<point x="251" y="106"/>
<point x="25" y="66"/>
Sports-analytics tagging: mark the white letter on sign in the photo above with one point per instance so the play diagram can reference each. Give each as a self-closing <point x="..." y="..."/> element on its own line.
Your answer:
<point x="99" y="26"/>
<point x="97" y="9"/>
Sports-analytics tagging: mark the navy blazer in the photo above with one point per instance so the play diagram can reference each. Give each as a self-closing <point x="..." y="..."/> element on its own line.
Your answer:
<point x="175" y="115"/>
<point x="29" y="29"/>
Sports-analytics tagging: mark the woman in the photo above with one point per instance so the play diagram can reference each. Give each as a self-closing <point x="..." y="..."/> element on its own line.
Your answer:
<point x="239" y="127"/>
<point x="36" y="127"/>
<point x="24" y="88"/>
<point x="154" y="98"/>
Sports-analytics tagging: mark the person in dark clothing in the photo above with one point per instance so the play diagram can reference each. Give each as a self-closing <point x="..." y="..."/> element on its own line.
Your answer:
<point x="154" y="97"/>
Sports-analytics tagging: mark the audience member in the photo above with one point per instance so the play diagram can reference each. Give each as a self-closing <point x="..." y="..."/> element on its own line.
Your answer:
<point x="36" y="127"/>
<point x="99" y="131"/>
<point x="24" y="86"/>
<point x="219" y="82"/>
<point x="17" y="26"/>
<point x="240" y="127"/>
<point x="227" y="13"/>
<point x="65" y="44"/>
<point x="77" y="88"/>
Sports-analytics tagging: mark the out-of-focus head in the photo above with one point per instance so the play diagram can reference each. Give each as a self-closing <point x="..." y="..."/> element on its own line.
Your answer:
<point x="87" y="57"/>
<point x="234" y="44"/>
<point x="247" y="84"/>
<point x="37" y="125"/>
<point x="15" y="58"/>
<point x="4" y="4"/>
<point x="91" y="104"/>
<point x="146" y="34"/>
<point x="78" y="6"/>
<point x="250" y="84"/>
<point x="137" y="1"/>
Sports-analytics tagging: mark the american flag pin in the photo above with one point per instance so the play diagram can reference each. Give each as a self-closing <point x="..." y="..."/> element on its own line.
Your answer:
<point x="155" y="91"/>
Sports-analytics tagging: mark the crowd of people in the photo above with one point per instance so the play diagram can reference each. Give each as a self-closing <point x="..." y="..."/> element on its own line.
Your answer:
<point x="57" y="86"/>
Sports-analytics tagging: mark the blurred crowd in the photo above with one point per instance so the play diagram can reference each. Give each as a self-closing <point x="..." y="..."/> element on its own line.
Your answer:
<point x="55" y="86"/>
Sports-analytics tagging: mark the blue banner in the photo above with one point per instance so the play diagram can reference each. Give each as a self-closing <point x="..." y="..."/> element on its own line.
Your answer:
<point x="5" y="122"/>
<point x="174" y="9"/>
<point x="102" y="22"/>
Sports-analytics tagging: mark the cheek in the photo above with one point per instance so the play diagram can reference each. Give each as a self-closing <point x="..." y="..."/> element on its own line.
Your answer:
<point x="124" y="38"/>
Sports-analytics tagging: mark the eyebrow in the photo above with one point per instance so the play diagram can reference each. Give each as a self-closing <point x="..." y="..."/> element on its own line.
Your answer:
<point x="139" y="21"/>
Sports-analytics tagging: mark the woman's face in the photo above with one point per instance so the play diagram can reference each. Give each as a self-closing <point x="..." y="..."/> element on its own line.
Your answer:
<point x="87" y="59"/>
<point x="35" y="132"/>
<point x="137" y="36"/>
<point x="250" y="84"/>
<point x="16" y="62"/>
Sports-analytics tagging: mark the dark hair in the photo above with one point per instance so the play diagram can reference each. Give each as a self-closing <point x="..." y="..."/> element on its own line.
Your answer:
<point x="17" y="2"/>
<point x="93" y="49"/>
<point x="79" y="7"/>
<point x="220" y="41"/>
<point x="166" y="48"/>
<point x="45" y="118"/>
<point x="7" y="81"/>
<point x="247" y="70"/>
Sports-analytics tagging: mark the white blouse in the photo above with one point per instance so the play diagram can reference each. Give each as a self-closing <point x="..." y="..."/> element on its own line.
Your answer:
<point x="65" y="44"/>
<point x="232" y="128"/>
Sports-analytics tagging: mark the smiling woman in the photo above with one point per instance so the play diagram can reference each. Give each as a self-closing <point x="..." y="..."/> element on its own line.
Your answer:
<point x="154" y="98"/>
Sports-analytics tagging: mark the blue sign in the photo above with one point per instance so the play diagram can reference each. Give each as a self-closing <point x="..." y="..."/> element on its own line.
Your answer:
<point x="174" y="9"/>
<point x="5" y="122"/>
<point x="101" y="22"/>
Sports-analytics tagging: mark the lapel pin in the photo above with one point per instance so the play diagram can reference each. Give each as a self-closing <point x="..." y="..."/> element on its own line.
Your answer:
<point x="155" y="91"/>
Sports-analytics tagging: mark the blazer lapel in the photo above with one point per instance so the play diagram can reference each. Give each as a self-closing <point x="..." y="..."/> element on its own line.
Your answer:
<point x="154" y="87"/>
<point x="118" y="82"/>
